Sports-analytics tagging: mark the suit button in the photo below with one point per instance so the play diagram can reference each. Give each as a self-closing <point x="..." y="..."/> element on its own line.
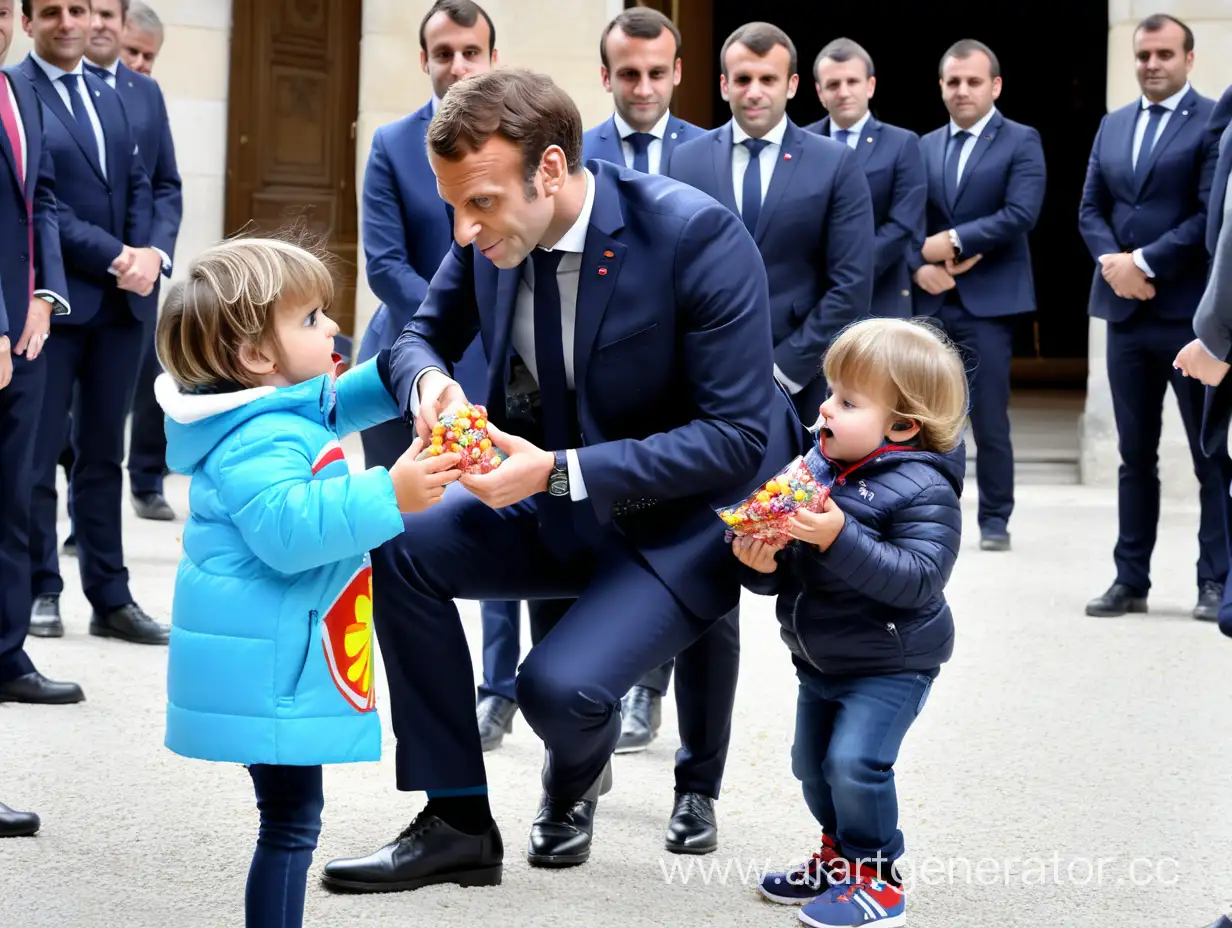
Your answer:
<point x="24" y="258"/>
<point x="22" y="220"/>
<point x="1136" y="208"/>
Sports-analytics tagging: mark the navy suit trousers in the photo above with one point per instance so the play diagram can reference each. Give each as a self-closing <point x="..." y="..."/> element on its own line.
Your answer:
<point x="147" y="440"/>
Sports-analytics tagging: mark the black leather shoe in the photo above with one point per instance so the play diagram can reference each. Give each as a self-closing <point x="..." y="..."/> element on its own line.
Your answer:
<point x="45" y="616"/>
<point x="561" y="833"/>
<point x="428" y="852"/>
<point x="641" y="714"/>
<point x="1118" y="600"/>
<point x="1210" y="598"/>
<point x="995" y="541"/>
<point x="495" y="715"/>
<point x="14" y="824"/>
<point x="129" y="623"/>
<point x="693" y="828"/>
<point x="36" y="688"/>
<point x="153" y="506"/>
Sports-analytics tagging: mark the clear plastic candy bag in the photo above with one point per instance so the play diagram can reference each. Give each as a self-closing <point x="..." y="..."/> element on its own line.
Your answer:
<point x="803" y="484"/>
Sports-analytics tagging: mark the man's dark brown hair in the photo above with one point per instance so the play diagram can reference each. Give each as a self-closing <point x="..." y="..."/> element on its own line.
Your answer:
<point x="463" y="12"/>
<point x="965" y="48"/>
<point x="759" y="38"/>
<point x="1157" y="21"/>
<point x="526" y="108"/>
<point x="640" y="22"/>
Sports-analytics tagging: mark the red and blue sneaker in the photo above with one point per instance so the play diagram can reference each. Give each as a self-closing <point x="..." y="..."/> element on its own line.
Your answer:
<point x="809" y="880"/>
<point x="865" y="900"/>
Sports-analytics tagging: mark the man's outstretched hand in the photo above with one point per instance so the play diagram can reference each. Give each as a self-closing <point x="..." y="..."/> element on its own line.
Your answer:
<point x="522" y="474"/>
<point x="437" y="395"/>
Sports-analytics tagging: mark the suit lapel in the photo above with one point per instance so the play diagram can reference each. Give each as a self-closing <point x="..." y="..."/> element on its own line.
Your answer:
<point x="110" y="113"/>
<point x="51" y="99"/>
<point x="936" y="165"/>
<point x="722" y="155"/>
<point x="671" y="138"/>
<point x="784" y="170"/>
<point x="868" y="140"/>
<point x="5" y="148"/>
<point x="610" y="147"/>
<point x="507" y="283"/>
<point x="982" y="143"/>
<point x="598" y="273"/>
<point x="1178" y="120"/>
<point x="32" y="121"/>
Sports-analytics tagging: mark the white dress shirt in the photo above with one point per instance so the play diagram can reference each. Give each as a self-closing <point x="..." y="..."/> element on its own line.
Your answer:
<point x="54" y="74"/>
<point x="654" y="151"/>
<point x="856" y="130"/>
<point x="1144" y="116"/>
<point x="767" y="159"/>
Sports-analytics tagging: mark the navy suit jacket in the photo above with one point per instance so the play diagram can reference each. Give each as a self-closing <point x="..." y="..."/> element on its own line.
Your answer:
<point x="406" y="232"/>
<point x="677" y="404"/>
<point x="36" y="196"/>
<point x="815" y="233"/>
<point x="892" y="164"/>
<point x="98" y="216"/>
<point x="1164" y="214"/>
<point x="1221" y="117"/>
<point x="997" y="203"/>
<point x="603" y="141"/>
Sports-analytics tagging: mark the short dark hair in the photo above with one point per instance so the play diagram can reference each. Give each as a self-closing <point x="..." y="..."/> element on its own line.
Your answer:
<point x="1157" y="21"/>
<point x="841" y="50"/>
<point x="965" y="48"/>
<point x="526" y="108"/>
<point x="759" y="38"/>
<point x="640" y="22"/>
<point x="463" y="12"/>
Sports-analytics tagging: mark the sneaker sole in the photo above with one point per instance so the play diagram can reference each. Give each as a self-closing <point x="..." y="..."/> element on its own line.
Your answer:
<point x="47" y="631"/>
<point x="890" y="921"/>
<point x="488" y="876"/>
<point x="784" y="900"/>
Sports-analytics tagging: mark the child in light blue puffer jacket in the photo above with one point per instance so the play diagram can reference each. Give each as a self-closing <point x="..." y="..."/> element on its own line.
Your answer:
<point x="272" y="651"/>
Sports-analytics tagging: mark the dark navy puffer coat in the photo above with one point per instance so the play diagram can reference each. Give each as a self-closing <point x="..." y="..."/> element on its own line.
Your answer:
<point x="874" y="601"/>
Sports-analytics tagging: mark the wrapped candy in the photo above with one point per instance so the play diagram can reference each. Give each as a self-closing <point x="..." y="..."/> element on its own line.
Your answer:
<point x="803" y="484"/>
<point x="464" y="431"/>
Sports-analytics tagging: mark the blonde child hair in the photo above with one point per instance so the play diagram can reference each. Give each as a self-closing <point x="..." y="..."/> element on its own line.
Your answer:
<point x="911" y="367"/>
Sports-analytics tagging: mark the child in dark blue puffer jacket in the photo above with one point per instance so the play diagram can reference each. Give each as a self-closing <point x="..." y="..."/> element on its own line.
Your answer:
<point x="862" y="607"/>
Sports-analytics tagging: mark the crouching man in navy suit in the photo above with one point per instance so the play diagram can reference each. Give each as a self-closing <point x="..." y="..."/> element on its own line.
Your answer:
<point x="630" y="380"/>
<point x="986" y="180"/>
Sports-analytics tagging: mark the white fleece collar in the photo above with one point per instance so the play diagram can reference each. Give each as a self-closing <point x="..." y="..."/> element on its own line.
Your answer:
<point x="186" y="408"/>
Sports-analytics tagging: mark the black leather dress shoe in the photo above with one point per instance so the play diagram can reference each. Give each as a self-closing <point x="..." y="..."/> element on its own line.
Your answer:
<point x="693" y="828"/>
<point x="561" y="833"/>
<point x="45" y="616"/>
<point x="641" y="714"/>
<point x="995" y="540"/>
<point x="153" y="506"/>
<point x="428" y="852"/>
<point x="1118" y="600"/>
<point x="495" y="715"/>
<point x="36" y="688"/>
<point x="129" y="623"/>
<point x="14" y="824"/>
<point x="1210" y="598"/>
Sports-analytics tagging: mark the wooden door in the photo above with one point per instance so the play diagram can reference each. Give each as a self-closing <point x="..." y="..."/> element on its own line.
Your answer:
<point x="693" y="100"/>
<point x="294" y="100"/>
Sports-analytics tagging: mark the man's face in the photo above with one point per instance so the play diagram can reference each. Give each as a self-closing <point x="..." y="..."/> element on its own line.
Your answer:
<point x="455" y="52"/>
<point x="640" y="75"/>
<point x="1162" y="63"/>
<point x="758" y="88"/>
<point x="106" y="27"/>
<point x="139" y="49"/>
<point x="487" y="190"/>
<point x="844" y="89"/>
<point x="59" y="29"/>
<point x="7" y="16"/>
<point x="968" y="88"/>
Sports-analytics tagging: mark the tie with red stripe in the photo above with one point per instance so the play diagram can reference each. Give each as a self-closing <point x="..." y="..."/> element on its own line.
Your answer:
<point x="8" y="117"/>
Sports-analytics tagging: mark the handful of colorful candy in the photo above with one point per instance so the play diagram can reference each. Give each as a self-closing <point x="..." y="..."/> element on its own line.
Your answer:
<point x="464" y="431"/>
<point x="804" y="484"/>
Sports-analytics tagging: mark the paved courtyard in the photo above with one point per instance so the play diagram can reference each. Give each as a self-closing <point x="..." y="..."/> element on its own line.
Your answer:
<point x="1067" y="771"/>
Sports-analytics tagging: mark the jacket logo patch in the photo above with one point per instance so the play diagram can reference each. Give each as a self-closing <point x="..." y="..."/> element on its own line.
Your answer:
<point x="328" y="455"/>
<point x="346" y="635"/>
<point x="866" y="492"/>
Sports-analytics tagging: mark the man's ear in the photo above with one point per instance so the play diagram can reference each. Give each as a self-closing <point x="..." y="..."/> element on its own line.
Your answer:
<point x="256" y="360"/>
<point x="555" y="168"/>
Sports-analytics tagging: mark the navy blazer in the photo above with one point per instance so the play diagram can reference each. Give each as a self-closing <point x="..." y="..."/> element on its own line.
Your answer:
<point x="1164" y="215"/>
<point x="37" y="196"/>
<point x="603" y="141"/>
<point x="816" y="241"/>
<point x="1221" y="117"/>
<point x="997" y="203"/>
<point x="98" y="216"/>
<point x="677" y="404"/>
<point x="892" y="164"/>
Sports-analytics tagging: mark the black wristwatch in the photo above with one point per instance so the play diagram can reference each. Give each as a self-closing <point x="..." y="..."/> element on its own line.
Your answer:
<point x="558" y="479"/>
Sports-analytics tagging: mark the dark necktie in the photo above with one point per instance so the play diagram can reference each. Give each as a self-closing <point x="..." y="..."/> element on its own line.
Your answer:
<point x="101" y="73"/>
<point x="83" y="118"/>
<point x="8" y="122"/>
<point x="1147" y="146"/>
<point x="641" y="150"/>
<point x="951" y="164"/>
<point x="842" y="135"/>
<point x="750" y="205"/>
<point x="549" y="350"/>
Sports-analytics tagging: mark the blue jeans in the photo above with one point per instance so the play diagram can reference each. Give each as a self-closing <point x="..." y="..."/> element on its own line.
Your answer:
<point x="290" y="800"/>
<point x="848" y="733"/>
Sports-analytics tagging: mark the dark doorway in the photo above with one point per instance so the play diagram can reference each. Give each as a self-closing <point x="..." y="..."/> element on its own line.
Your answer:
<point x="1062" y="94"/>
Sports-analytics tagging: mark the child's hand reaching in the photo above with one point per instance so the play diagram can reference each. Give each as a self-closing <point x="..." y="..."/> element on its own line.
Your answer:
<point x="420" y="484"/>
<point x="755" y="554"/>
<point x="817" y="528"/>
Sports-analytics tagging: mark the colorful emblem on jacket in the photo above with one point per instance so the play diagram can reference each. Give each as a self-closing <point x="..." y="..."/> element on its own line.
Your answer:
<point x="346" y="635"/>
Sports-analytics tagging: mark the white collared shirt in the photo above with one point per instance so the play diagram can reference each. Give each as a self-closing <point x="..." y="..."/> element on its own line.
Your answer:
<point x="856" y="130"/>
<point x="654" y="152"/>
<point x="436" y="103"/>
<point x="1144" y="116"/>
<point x="54" y="74"/>
<point x="113" y="72"/>
<point x="767" y="159"/>
<point x="969" y="145"/>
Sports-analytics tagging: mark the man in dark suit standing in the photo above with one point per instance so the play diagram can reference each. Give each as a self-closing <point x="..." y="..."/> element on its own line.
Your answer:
<point x="890" y="157"/>
<point x="626" y="322"/>
<point x="147" y="112"/>
<point x="1143" y="218"/>
<point x="143" y="38"/>
<point x="110" y="266"/>
<point x="986" y="181"/>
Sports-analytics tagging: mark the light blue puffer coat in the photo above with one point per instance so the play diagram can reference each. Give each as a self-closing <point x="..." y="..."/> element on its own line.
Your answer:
<point x="272" y="651"/>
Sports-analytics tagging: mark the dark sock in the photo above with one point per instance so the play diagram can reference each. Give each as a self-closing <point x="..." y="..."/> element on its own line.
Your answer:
<point x="470" y="815"/>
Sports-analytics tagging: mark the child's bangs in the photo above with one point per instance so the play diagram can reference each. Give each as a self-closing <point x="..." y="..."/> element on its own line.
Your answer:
<point x="303" y="278"/>
<point x="860" y="361"/>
